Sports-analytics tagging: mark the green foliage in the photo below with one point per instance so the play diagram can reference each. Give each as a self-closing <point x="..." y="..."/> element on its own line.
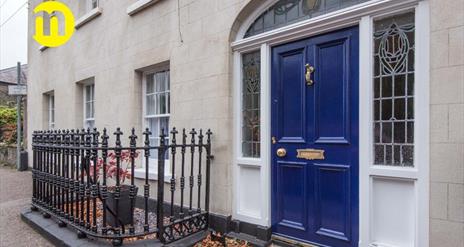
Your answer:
<point x="7" y="116"/>
<point x="7" y="124"/>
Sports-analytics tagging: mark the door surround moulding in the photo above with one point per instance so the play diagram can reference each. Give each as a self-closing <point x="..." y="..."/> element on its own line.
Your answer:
<point x="362" y="15"/>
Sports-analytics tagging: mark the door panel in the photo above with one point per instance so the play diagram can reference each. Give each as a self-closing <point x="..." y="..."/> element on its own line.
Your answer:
<point x="292" y="94"/>
<point x="332" y="116"/>
<point x="332" y="211"/>
<point x="293" y="202"/>
<point x="316" y="201"/>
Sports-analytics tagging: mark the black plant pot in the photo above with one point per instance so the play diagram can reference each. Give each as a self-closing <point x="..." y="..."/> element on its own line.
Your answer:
<point x="125" y="211"/>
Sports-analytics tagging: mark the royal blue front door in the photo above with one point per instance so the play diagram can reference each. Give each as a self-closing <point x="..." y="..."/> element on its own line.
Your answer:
<point x="315" y="117"/>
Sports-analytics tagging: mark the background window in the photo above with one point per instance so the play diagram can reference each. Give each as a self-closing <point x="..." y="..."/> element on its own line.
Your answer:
<point x="394" y="46"/>
<point x="91" y="4"/>
<point x="251" y="119"/>
<point x="157" y="106"/>
<point x="51" y="111"/>
<point x="89" y="106"/>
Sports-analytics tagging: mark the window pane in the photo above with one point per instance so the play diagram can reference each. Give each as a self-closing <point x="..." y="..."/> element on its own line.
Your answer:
<point x="51" y="111"/>
<point x="88" y="93"/>
<point x="153" y="152"/>
<point x="152" y="124"/>
<point x="251" y="87"/>
<point x="88" y="110"/>
<point x="150" y="83"/>
<point x="394" y="65"/>
<point x="92" y="109"/>
<point x="161" y="82"/>
<point x="155" y="125"/>
<point x="150" y="101"/>
<point x="92" y="92"/>
<point x="52" y="108"/>
<point x="89" y="124"/>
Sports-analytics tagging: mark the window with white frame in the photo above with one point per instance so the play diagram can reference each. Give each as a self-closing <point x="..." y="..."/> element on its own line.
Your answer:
<point x="89" y="106"/>
<point x="394" y="47"/>
<point x="156" y="107"/>
<point x="51" y="111"/>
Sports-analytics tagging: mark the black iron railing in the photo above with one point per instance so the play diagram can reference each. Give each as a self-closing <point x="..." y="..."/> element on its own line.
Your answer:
<point x="78" y="178"/>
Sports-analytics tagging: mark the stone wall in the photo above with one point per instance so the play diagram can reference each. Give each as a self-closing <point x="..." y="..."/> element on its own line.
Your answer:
<point x="8" y="155"/>
<point x="447" y="123"/>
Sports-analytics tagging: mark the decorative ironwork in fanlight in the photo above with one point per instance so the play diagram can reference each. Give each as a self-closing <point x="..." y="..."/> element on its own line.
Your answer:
<point x="394" y="46"/>
<point x="285" y="12"/>
<point x="251" y="105"/>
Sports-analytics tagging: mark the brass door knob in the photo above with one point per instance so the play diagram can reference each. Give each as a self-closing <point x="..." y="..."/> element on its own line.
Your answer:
<point x="281" y="152"/>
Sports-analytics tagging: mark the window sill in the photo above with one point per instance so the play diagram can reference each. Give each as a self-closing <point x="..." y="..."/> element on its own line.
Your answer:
<point x="152" y="175"/>
<point x="94" y="13"/>
<point x="139" y="6"/>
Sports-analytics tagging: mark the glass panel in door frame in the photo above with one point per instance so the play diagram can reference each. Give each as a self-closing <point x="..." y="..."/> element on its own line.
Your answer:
<point x="394" y="50"/>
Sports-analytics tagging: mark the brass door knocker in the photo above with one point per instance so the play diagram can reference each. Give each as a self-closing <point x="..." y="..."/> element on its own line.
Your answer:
<point x="309" y="71"/>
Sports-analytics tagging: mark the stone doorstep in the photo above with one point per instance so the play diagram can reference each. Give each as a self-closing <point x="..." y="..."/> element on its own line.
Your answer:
<point x="250" y="239"/>
<point x="65" y="237"/>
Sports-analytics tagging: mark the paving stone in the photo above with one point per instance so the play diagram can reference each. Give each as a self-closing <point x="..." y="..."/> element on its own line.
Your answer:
<point x="15" y="195"/>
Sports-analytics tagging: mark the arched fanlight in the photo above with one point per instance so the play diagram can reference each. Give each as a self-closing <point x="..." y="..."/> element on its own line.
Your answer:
<point x="310" y="5"/>
<point x="285" y="12"/>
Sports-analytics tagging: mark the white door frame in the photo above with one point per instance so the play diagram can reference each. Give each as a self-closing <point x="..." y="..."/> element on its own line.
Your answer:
<point x="362" y="15"/>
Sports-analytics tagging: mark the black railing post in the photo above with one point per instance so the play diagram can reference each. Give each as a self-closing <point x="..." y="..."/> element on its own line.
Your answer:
<point x="208" y="168"/>
<point x="60" y="177"/>
<point x="104" y="188"/>
<point x="82" y="179"/>
<point x="94" y="187"/>
<point x="55" y="173"/>
<point x="146" y="186"/>
<point x="182" y="176"/>
<point x="191" y="178"/>
<point x="173" y="172"/>
<point x="72" y="182"/>
<point x="117" y="192"/>
<point x="88" y="141"/>
<point x="34" y="170"/>
<point x="67" y="180"/>
<point x="41" y="151"/>
<point x="160" y="201"/>
<point x="58" y="164"/>
<point x="49" y="160"/>
<point x="200" y="151"/>
<point x="132" y="190"/>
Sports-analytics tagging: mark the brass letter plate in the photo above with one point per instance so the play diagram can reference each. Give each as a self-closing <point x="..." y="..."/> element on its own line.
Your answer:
<point x="310" y="154"/>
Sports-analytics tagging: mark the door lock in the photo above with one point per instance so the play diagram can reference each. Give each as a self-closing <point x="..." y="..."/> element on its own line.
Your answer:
<point x="281" y="152"/>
